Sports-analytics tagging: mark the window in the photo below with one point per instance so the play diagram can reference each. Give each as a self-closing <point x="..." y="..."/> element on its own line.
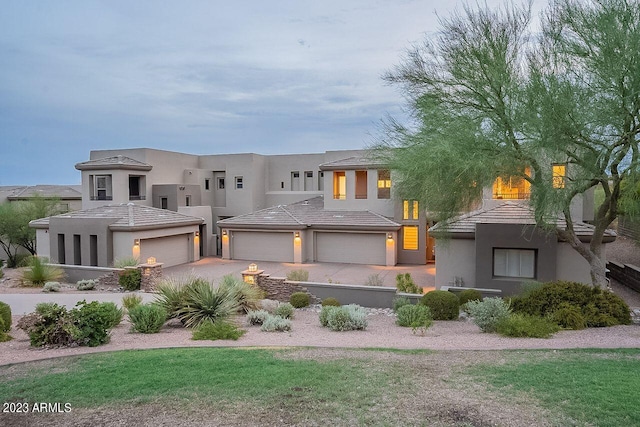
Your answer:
<point x="308" y="174"/>
<point x="239" y="183"/>
<point x="410" y="209"/>
<point x="513" y="188"/>
<point x="187" y="201"/>
<point x="559" y="175"/>
<point x="100" y="187"/>
<point x="136" y="187"/>
<point x="361" y="184"/>
<point x="320" y="181"/>
<point x="206" y="184"/>
<point x="164" y="203"/>
<point x="295" y="174"/>
<point x="339" y="185"/>
<point x="384" y="184"/>
<point x="410" y="237"/>
<point x="220" y="183"/>
<point x="518" y="263"/>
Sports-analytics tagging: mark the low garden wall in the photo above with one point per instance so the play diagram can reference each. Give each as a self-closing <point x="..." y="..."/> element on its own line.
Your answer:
<point x="627" y="274"/>
<point x="73" y="273"/>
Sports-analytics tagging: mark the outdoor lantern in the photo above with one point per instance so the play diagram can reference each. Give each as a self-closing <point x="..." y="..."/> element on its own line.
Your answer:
<point x="151" y="260"/>
<point x="197" y="234"/>
<point x="253" y="267"/>
<point x="390" y="236"/>
<point x="136" y="242"/>
<point x="251" y="273"/>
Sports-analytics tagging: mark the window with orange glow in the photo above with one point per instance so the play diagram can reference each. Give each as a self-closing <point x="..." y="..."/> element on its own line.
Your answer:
<point x="339" y="185"/>
<point x="514" y="188"/>
<point x="410" y="237"/>
<point x="559" y="174"/>
<point x="384" y="184"/>
<point x="410" y="209"/>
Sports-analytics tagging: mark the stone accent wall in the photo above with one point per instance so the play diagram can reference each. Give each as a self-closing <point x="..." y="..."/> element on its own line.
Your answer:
<point x="627" y="274"/>
<point x="280" y="289"/>
<point x="111" y="278"/>
<point x="150" y="276"/>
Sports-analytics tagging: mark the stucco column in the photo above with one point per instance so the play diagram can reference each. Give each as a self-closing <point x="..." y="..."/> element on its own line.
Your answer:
<point x="391" y="239"/>
<point x="226" y="252"/>
<point x="297" y="247"/>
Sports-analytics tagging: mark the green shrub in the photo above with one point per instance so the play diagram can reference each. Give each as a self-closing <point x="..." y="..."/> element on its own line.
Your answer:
<point x="125" y="262"/>
<point x="569" y="316"/>
<point x="400" y="302"/>
<point x="469" y="295"/>
<point x="285" y="310"/>
<point x="220" y="330"/>
<point x="130" y="279"/>
<point x="51" y="287"/>
<point x="275" y="324"/>
<point x="20" y="260"/>
<point x="86" y="285"/>
<point x="345" y="318"/>
<point x="4" y="337"/>
<point x="414" y="316"/>
<point x="523" y="325"/>
<point x="50" y="325"/>
<point x="131" y="300"/>
<point x="94" y="320"/>
<point x="298" y="276"/>
<point x="488" y="312"/>
<point x="598" y="307"/>
<point x="331" y="301"/>
<point x="444" y="305"/>
<point x="374" y="280"/>
<point x="172" y="294"/>
<point x="248" y="296"/>
<point x="39" y="272"/>
<point x="204" y="302"/>
<point x="5" y="315"/>
<point x="147" y="318"/>
<point x="405" y="283"/>
<point x="257" y="317"/>
<point x="299" y="299"/>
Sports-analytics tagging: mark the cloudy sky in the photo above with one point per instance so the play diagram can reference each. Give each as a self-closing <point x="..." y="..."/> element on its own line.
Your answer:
<point x="200" y="77"/>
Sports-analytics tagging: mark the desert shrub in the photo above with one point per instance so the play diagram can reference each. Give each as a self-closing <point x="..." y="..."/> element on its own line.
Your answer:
<point x="220" y="330"/>
<point x="405" y="283"/>
<point x="374" y="280"/>
<point x="444" y="305"/>
<point x="125" y="262"/>
<point x="275" y="324"/>
<point x="257" y="317"/>
<point x="488" y="312"/>
<point x="93" y="321"/>
<point x="20" y="260"/>
<point x="131" y="300"/>
<point x="331" y="301"/>
<point x="39" y="272"/>
<point x="172" y="293"/>
<point x="248" y="296"/>
<point x="598" y="307"/>
<point x="469" y="295"/>
<point x="147" y="318"/>
<point x="299" y="299"/>
<point x="400" y="302"/>
<point x="529" y="286"/>
<point x="345" y="318"/>
<point x="86" y="285"/>
<point x="5" y="316"/>
<point x="4" y="337"/>
<point x="130" y="279"/>
<point x="414" y="316"/>
<point x="524" y="325"/>
<point x="269" y="305"/>
<point x="298" y="276"/>
<point x="569" y="316"/>
<point x="1" y="270"/>
<point x="285" y="310"/>
<point x="203" y="301"/>
<point x="51" y="287"/>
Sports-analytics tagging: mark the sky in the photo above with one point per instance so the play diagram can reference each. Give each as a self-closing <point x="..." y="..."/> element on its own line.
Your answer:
<point x="200" y="77"/>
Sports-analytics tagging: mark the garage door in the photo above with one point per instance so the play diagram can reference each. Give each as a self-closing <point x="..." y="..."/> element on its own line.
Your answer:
<point x="262" y="246"/>
<point x="170" y="250"/>
<point x="352" y="248"/>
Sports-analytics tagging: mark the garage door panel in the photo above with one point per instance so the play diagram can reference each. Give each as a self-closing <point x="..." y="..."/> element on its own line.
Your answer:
<point x="169" y="250"/>
<point x="353" y="248"/>
<point x="262" y="246"/>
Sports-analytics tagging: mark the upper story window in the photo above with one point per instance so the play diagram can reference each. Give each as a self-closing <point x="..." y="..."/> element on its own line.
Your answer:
<point x="520" y="263"/>
<point x="410" y="209"/>
<point x="239" y="182"/>
<point x="559" y="175"/>
<point x="384" y="184"/>
<point x="206" y="184"/>
<point x="410" y="238"/>
<point x="220" y="183"/>
<point x="361" y="184"/>
<point x="339" y="185"/>
<point x="513" y="188"/>
<point x="100" y="187"/>
<point x="136" y="187"/>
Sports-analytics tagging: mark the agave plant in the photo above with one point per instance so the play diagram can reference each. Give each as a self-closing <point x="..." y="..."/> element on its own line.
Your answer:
<point x="172" y="293"/>
<point x="40" y="272"/>
<point x="248" y="296"/>
<point x="204" y="302"/>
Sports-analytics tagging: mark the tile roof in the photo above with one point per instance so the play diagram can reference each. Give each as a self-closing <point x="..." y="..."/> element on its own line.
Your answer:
<point x="115" y="162"/>
<point x="354" y="162"/>
<point x="310" y="213"/>
<point x="509" y="212"/>
<point x="62" y="191"/>
<point x="128" y="217"/>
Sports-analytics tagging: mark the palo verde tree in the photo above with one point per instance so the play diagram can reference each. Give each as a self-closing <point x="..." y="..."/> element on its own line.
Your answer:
<point x="491" y="96"/>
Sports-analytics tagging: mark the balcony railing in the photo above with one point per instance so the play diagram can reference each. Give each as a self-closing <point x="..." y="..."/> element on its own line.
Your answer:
<point x="511" y="196"/>
<point x="101" y="198"/>
<point x="137" y="197"/>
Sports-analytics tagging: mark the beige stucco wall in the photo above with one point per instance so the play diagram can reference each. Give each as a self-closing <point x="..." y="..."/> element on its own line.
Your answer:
<point x="571" y="265"/>
<point x="123" y="241"/>
<point x="455" y="257"/>
<point x="43" y="248"/>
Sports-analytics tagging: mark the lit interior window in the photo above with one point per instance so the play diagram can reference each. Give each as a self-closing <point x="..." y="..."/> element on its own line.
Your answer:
<point x="410" y="238"/>
<point x="559" y="175"/>
<point x="514" y="188"/>
<point x="339" y="185"/>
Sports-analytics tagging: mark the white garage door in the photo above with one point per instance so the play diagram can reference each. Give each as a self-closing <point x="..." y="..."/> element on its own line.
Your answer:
<point x="352" y="248"/>
<point x="262" y="246"/>
<point x="170" y="250"/>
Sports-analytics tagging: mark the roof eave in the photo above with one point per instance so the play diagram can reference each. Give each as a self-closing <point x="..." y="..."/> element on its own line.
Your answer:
<point x="82" y="167"/>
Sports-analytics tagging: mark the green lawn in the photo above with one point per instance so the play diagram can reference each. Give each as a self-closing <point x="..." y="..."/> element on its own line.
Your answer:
<point x="337" y="387"/>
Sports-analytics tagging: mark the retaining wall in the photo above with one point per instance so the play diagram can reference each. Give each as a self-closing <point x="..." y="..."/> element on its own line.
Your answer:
<point x="626" y="274"/>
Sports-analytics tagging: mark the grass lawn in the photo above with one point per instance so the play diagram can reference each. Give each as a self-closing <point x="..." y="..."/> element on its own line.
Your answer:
<point x="201" y="386"/>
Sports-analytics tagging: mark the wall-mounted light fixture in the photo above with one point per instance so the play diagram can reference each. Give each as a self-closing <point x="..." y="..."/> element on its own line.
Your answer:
<point x="390" y="236"/>
<point x="224" y="232"/>
<point x="181" y="187"/>
<point x="136" y="242"/>
<point x="197" y="234"/>
<point x="297" y="235"/>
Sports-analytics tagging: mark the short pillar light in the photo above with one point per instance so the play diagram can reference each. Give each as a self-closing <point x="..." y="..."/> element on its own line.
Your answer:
<point x="151" y="260"/>
<point x="249" y="275"/>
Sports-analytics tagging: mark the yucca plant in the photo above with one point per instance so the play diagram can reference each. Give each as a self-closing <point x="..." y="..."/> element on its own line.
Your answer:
<point x="125" y="262"/>
<point x="172" y="293"/>
<point x="40" y="272"/>
<point x="204" y="302"/>
<point x="248" y="296"/>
